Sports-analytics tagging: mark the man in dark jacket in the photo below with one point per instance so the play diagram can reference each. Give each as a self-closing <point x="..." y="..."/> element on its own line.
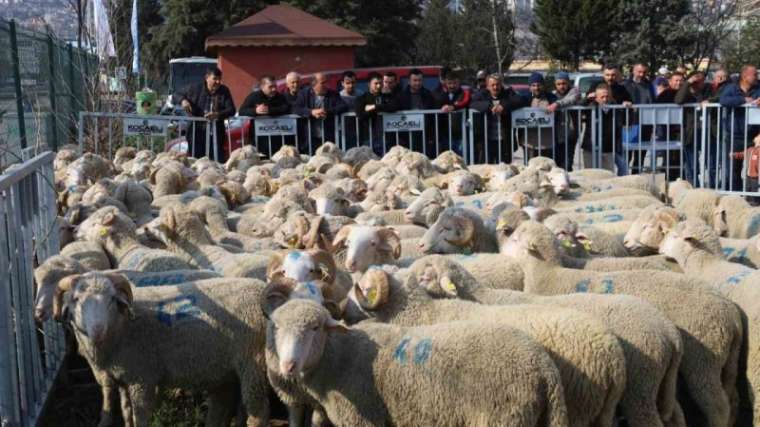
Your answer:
<point x="321" y="106"/>
<point x="638" y="86"/>
<point x="693" y="91"/>
<point x="497" y="104"/>
<point x="212" y="100"/>
<point x="265" y="101"/>
<point x="734" y="98"/>
<point x="452" y="98"/>
<point x="617" y="92"/>
<point x="368" y="105"/>
<point x="415" y="96"/>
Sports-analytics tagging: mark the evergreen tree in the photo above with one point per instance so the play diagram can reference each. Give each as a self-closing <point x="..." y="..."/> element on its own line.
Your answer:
<point x="653" y="32"/>
<point x="390" y="26"/>
<point x="439" y="35"/>
<point x="572" y="31"/>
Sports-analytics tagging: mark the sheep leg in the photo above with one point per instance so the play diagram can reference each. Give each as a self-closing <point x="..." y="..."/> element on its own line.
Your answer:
<point x="640" y="411"/>
<point x="254" y="392"/>
<point x="126" y="407"/>
<point x="143" y="398"/>
<point x="319" y="418"/>
<point x="296" y="415"/>
<point x="106" y="386"/>
<point x="706" y="388"/>
<point x="221" y="405"/>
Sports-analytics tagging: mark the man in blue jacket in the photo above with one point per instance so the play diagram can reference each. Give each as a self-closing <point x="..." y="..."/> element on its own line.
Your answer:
<point x="321" y="106"/>
<point x="735" y="96"/>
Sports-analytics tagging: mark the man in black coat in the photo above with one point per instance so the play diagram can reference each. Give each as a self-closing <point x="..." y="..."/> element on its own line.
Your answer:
<point x="265" y="101"/>
<point x="497" y="102"/>
<point x="213" y="101"/>
<point x="415" y="96"/>
<point x="368" y="105"/>
<point x="321" y="106"/>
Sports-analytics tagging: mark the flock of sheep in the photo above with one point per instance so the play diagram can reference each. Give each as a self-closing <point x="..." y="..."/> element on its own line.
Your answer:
<point x="404" y="291"/>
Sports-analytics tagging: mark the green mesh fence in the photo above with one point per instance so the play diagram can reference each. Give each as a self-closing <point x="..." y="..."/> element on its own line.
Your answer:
<point x="52" y="82"/>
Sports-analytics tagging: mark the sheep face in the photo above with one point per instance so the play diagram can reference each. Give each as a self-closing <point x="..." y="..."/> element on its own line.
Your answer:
<point x="532" y="240"/>
<point x="464" y="184"/>
<point x="369" y="294"/>
<point x="297" y="333"/>
<point x="329" y="201"/>
<point x="648" y="230"/>
<point x="366" y="246"/>
<point x="96" y="304"/>
<point x="426" y="208"/>
<point x="559" y="180"/>
<point x="378" y="201"/>
<point x="454" y="232"/>
<point x="689" y="237"/>
<point x="720" y="223"/>
<point x="303" y="266"/>
<point x="434" y="274"/>
<point x="47" y="276"/>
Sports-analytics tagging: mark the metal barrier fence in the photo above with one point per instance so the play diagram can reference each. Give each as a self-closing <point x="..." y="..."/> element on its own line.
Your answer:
<point x="30" y="356"/>
<point x="703" y="143"/>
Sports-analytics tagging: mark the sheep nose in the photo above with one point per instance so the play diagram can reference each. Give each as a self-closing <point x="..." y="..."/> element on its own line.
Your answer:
<point x="288" y="367"/>
<point x="351" y="265"/>
<point x="39" y="315"/>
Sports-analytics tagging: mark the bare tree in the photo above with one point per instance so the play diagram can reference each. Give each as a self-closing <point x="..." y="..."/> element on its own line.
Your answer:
<point x="708" y="24"/>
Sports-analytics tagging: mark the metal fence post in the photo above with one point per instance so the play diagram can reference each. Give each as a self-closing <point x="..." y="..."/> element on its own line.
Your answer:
<point x="17" y="83"/>
<point x="53" y="109"/>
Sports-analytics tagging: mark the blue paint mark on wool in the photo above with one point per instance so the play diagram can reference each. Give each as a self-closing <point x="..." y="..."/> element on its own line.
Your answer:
<point x="400" y="353"/>
<point x="178" y="309"/>
<point x="582" y="286"/>
<point x="613" y="218"/>
<point x="422" y="351"/>
<point x="738" y="277"/>
<point x="294" y="256"/>
<point x="754" y="225"/>
<point x="478" y="204"/>
<point x="727" y="251"/>
<point x="607" y="286"/>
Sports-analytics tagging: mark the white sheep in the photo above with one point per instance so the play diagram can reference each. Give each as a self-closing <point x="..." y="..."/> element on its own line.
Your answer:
<point x="522" y="387"/>
<point x="90" y="254"/>
<point x="207" y="334"/>
<point x="651" y="343"/>
<point x="735" y="218"/>
<point x="458" y="231"/>
<point x="589" y="358"/>
<point x="743" y="251"/>
<point x="696" y="248"/>
<point x="426" y="208"/>
<point x="117" y="234"/>
<point x="710" y="325"/>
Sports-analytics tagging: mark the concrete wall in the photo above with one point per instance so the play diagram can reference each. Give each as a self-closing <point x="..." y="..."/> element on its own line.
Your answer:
<point x="244" y="65"/>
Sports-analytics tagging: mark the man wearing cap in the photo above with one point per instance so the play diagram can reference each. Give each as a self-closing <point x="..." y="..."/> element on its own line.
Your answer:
<point x="497" y="104"/>
<point x="538" y="141"/>
<point x="565" y="122"/>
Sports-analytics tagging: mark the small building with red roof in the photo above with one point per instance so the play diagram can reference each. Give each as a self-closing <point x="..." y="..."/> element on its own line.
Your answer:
<point x="277" y="40"/>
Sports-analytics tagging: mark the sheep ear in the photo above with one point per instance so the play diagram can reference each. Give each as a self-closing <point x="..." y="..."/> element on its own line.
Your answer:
<point x="168" y="218"/>
<point x="108" y="219"/>
<point x="390" y="241"/>
<point x="309" y="240"/>
<point x="415" y="191"/>
<point x="326" y="264"/>
<point x="275" y="263"/>
<point x="64" y="285"/>
<point x="448" y="286"/>
<point x="123" y="292"/>
<point x="340" y="238"/>
<point x="335" y="309"/>
<point x="333" y="325"/>
<point x="153" y="176"/>
<point x="275" y="295"/>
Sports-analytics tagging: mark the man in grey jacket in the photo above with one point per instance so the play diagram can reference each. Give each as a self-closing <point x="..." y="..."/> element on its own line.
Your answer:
<point x="565" y="122"/>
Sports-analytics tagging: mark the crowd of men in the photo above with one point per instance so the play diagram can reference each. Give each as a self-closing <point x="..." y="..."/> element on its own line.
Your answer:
<point x="489" y="95"/>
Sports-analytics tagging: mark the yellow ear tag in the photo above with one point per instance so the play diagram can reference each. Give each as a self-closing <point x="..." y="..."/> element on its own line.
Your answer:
<point x="566" y="243"/>
<point x="501" y="224"/>
<point x="448" y="285"/>
<point x="103" y="232"/>
<point x="292" y="241"/>
<point x="372" y="296"/>
<point x="587" y="245"/>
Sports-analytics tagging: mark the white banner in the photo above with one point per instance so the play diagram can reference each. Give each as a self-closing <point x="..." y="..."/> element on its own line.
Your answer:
<point x="103" y="37"/>
<point x="403" y="122"/>
<point x="753" y="116"/>
<point x="532" y="118"/>
<point x="275" y="127"/>
<point x="145" y="127"/>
